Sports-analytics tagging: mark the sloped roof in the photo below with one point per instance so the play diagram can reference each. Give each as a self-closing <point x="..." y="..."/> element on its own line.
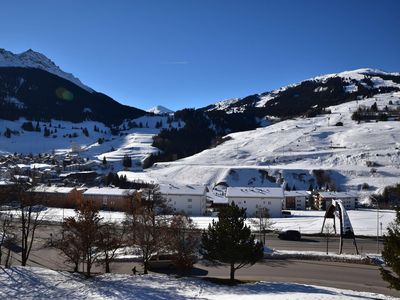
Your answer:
<point x="338" y="195"/>
<point x="254" y="192"/>
<point x="52" y="189"/>
<point x="108" y="191"/>
<point x="175" y="189"/>
<point x="297" y="193"/>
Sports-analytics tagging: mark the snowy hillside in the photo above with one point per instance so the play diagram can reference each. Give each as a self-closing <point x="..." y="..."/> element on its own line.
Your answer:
<point x="32" y="59"/>
<point x="159" y="110"/>
<point x="354" y="153"/>
<point x="134" y="142"/>
<point x="321" y="91"/>
<point x="38" y="283"/>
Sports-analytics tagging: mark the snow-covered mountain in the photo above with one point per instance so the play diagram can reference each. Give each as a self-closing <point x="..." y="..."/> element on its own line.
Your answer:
<point x="33" y="87"/>
<point x="350" y="130"/>
<point x="159" y="110"/>
<point x="312" y="94"/>
<point x="36" y="60"/>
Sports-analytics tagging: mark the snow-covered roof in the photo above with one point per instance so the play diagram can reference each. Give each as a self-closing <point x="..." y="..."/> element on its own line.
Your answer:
<point x="254" y="192"/>
<point x="52" y="189"/>
<point x="338" y="195"/>
<point x="175" y="189"/>
<point x="108" y="191"/>
<point x="297" y="193"/>
<point x="5" y="182"/>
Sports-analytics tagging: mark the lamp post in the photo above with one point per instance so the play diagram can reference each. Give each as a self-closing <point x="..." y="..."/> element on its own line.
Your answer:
<point x="377" y="223"/>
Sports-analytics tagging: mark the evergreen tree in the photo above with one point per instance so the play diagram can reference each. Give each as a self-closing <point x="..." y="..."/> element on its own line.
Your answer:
<point x="46" y="132"/>
<point x="374" y="107"/>
<point x="230" y="241"/>
<point x="391" y="253"/>
<point x="7" y="133"/>
<point x="104" y="160"/>
<point x="127" y="161"/>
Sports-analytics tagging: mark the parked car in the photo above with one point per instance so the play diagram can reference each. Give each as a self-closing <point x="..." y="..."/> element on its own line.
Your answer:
<point x="161" y="261"/>
<point x="291" y="235"/>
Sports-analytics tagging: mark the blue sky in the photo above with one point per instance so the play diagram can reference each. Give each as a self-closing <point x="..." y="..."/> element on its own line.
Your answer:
<point x="192" y="53"/>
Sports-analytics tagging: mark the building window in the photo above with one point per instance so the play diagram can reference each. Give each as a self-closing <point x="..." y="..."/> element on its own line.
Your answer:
<point x="189" y="206"/>
<point x="244" y="201"/>
<point x="269" y="202"/>
<point x="189" y="200"/>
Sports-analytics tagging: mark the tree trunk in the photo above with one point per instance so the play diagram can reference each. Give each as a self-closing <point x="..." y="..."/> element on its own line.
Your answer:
<point x="232" y="278"/>
<point x="88" y="268"/>
<point x="7" y="262"/>
<point x="145" y="266"/>
<point x="108" y="266"/>
<point x="76" y="267"/>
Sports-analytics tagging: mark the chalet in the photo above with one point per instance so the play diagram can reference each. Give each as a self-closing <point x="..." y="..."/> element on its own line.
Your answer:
<point x="109" y="198"/>
<point x="323" y="199"/>
<point x="55" y="196"/>
<point x="295" y="200"/>
<point x="189" y="199"/>
<point x="256" y="199"/>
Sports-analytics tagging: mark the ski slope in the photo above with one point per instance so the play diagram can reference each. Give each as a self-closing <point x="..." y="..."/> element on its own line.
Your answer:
<point x="293" y="148"/>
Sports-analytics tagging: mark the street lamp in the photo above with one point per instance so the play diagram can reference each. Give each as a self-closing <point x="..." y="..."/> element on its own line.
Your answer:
<point x="377" y="222"/>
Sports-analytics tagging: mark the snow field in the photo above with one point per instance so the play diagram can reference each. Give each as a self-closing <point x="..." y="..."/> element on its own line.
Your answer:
<point x="38" y="283"/>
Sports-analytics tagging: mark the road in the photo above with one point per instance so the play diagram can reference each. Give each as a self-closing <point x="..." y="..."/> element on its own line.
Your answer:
<point x="308" y="243"/>
<point x="334" y="274"/>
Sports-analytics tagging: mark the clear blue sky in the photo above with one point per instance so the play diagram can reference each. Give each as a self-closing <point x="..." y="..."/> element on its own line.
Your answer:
<point x="193" y="53"/>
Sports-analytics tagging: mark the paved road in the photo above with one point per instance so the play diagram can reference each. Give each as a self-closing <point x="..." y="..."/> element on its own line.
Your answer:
<point x="333" y="274"/>
<point x="311" y="243"/>
<point x="339" y="275"/>
<point x="308" y="243"/>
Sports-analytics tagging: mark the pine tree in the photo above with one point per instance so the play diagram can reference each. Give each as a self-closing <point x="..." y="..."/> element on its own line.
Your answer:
<point x="230" y="241"/>
<point x="127" y="161"/>
<point x="104" y="160"/>
<point x="391" y="253"/>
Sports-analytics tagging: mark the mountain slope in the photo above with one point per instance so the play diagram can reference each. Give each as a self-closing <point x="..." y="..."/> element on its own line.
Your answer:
<point x="353" y="154"/>
<point x="159" y="109"/>
<point x="36" y="60"/>
<point x="33" y="87"/>
<point x="311" y="95"/>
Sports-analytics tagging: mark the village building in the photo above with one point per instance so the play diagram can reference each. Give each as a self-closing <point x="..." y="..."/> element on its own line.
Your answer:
<point x="6" y="189"/>
<point x="257" y="199"/>
<point x="189" y="199"/>
<point x="322" y="200"/>
<point x="55" y="196"/>
<point x="295" y="200"/>
<point x="109" y="198"/>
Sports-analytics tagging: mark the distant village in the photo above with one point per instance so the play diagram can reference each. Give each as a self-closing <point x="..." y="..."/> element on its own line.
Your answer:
<point x="64" y="180"/>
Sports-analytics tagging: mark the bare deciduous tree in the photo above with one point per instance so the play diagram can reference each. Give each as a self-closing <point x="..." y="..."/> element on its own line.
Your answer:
<point x="183" y="241"/>
<point x="81" y="236"/>
<point x="110" y="239"/>
<point x="6" y="235"/>
<point x="262" y="222"/>
<point x="147" y="221"/>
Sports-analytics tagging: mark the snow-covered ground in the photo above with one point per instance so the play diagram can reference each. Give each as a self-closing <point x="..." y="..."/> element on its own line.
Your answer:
<point x="309" y="222"/>
<point x="135" y="142"/>
<point x="293" y="148"/>
<point x="37" y="283"/>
